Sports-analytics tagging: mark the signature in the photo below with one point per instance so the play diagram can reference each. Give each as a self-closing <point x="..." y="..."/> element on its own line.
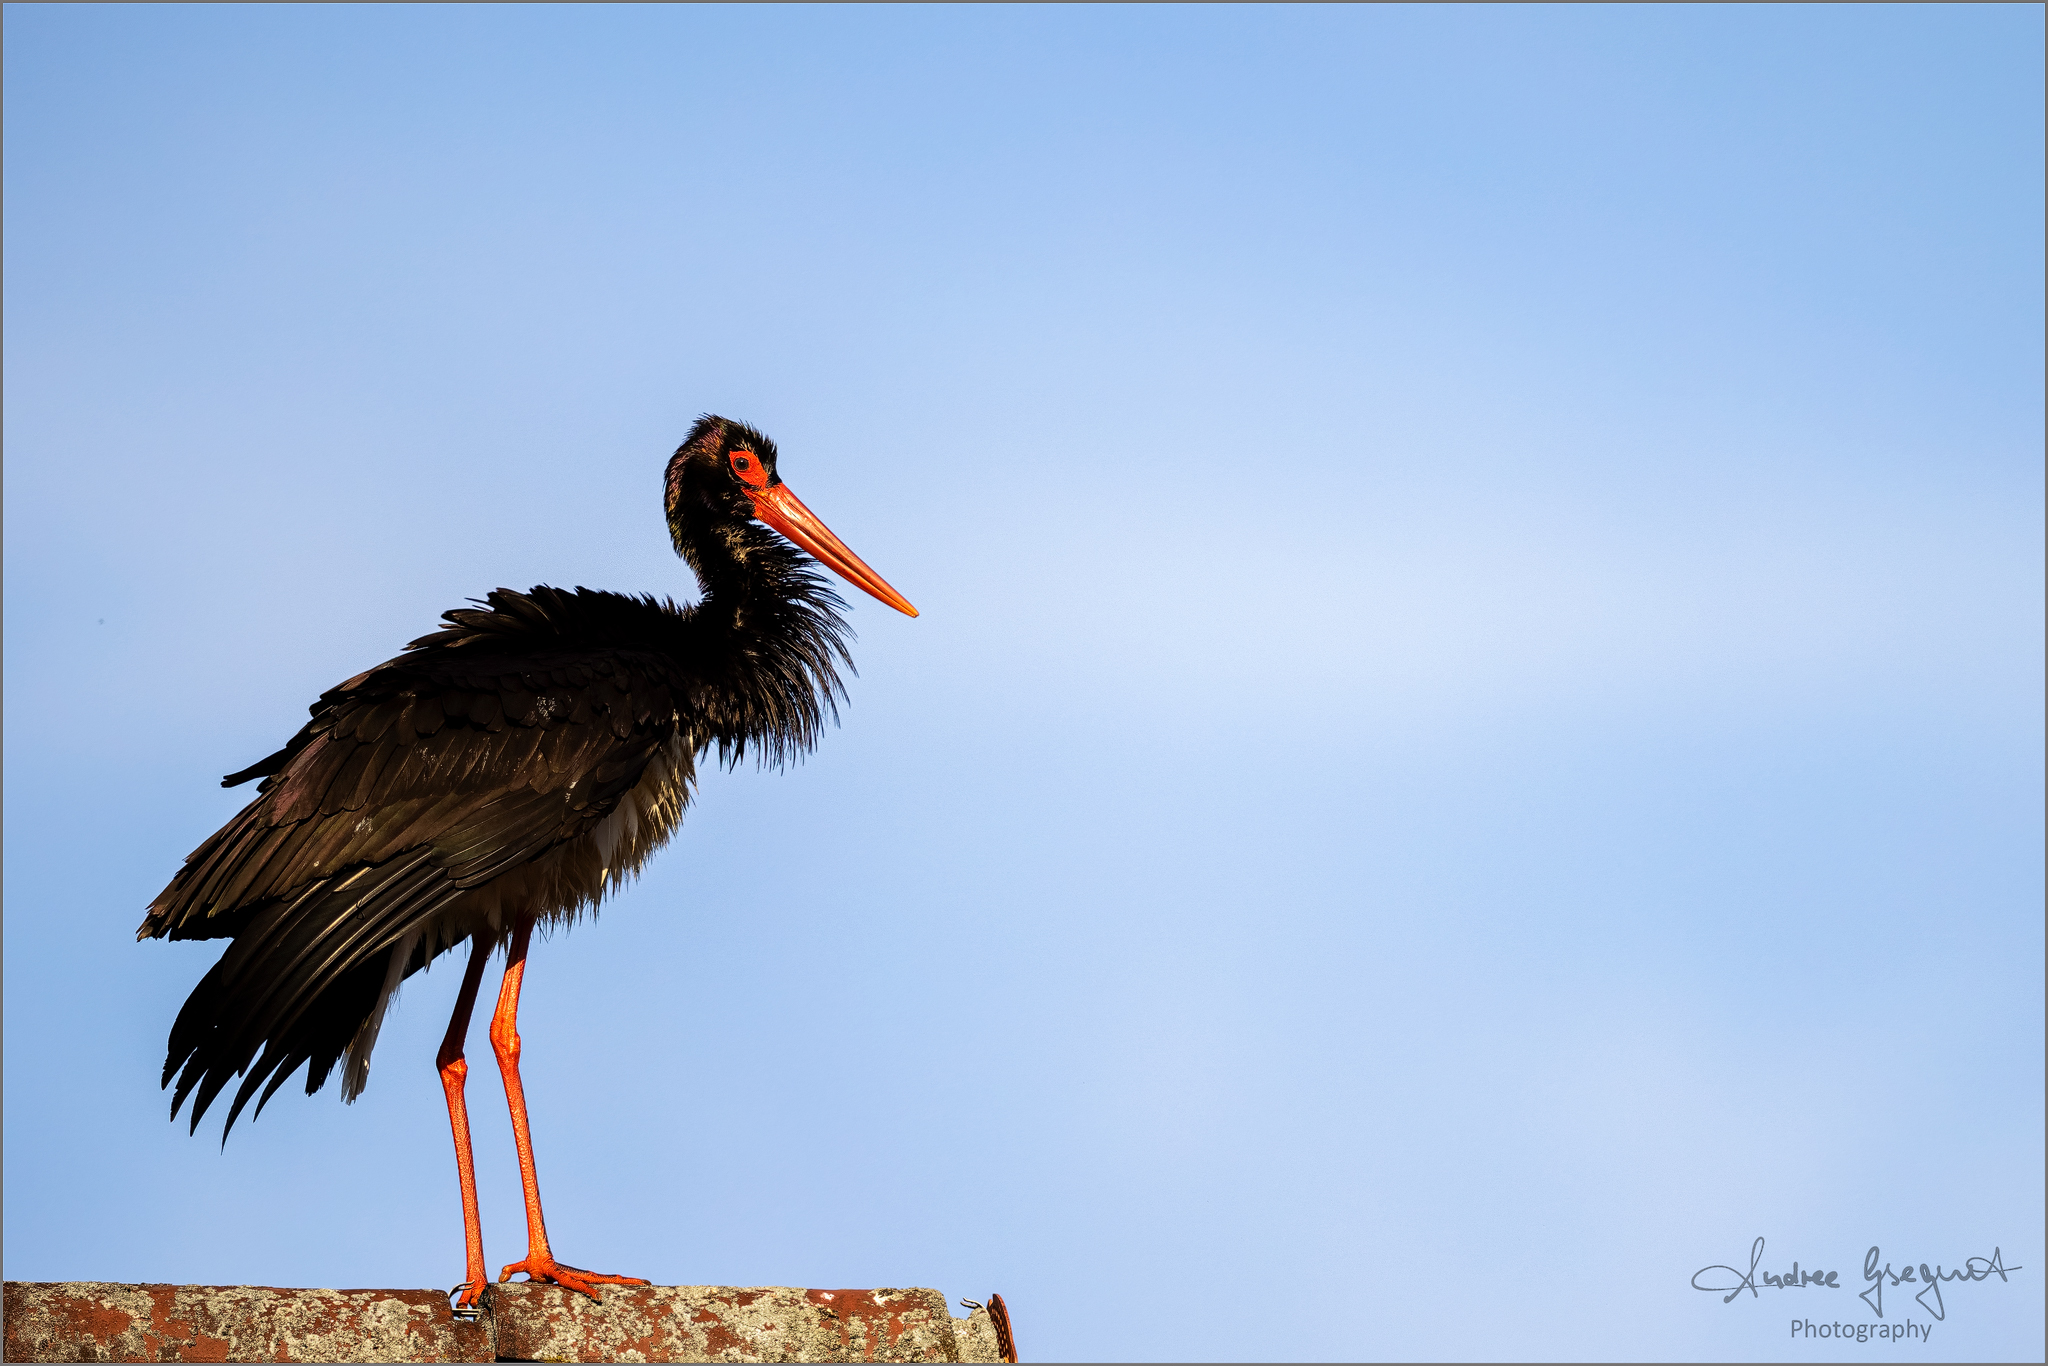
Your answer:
<point x="1973" y="1269"/>
<point x="1929" y="1278"/>
<point x="1795" y="1279"/>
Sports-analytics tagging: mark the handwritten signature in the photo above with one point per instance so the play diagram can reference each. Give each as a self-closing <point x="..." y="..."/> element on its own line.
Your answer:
<point x="1973" y="1269"/>
<point x="1795" y="1279"/>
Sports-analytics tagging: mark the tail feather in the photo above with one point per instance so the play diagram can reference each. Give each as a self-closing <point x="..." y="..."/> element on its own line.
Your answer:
<point x="307" y="982"/>
<point x="331" y="936"/>
<point x="357" y="1075"/>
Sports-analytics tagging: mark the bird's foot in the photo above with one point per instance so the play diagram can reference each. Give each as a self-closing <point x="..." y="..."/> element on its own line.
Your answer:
<point x="469" y="1298"/>
<point x="546" y="1268"/>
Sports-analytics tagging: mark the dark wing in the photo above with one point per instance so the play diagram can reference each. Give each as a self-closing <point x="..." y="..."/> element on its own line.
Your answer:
<point x="414" y="786"/>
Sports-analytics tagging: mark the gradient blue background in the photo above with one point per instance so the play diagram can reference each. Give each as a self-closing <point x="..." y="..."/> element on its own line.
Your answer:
<point x="1475" y="742"/>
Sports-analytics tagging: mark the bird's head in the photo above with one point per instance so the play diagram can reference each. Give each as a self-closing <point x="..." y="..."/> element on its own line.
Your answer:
<point x="723" y="476"/>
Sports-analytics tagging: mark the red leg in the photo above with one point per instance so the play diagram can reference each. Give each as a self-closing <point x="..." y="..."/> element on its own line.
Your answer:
<point x="454" y="1072"/>
<point x="540" y="1264"/>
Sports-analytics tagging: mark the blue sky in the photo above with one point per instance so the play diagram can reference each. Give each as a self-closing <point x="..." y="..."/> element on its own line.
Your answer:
<point x="1475" y="742"/>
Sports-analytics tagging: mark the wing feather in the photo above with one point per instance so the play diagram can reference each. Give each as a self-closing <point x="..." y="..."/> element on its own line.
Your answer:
<point x="416" y="790"/>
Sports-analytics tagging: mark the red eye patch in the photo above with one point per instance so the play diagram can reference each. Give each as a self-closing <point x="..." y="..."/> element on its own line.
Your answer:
<point x="748" y="467"/>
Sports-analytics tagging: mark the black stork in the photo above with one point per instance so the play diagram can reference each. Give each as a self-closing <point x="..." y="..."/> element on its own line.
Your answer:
<point x="512" y="767"/>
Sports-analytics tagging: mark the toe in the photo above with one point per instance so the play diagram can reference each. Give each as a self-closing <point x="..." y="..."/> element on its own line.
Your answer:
<point x="569" y="1280"/>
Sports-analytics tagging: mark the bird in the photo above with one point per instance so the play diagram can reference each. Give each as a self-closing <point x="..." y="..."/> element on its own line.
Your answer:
<point x="511" y="768"/>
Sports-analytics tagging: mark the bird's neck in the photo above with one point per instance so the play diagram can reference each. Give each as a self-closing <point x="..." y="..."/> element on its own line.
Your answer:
<point x="745" y="573"/>
<point x="768" y="639"/>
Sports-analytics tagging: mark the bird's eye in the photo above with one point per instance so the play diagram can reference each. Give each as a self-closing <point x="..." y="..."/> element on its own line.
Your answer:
<point x="749" y="469"/>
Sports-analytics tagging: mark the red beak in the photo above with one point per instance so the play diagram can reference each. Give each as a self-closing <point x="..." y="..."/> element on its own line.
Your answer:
<point x="784" y="511"/>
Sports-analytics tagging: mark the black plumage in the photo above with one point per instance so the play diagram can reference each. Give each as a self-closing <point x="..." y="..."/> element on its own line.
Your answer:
<point x="518" y="762"/>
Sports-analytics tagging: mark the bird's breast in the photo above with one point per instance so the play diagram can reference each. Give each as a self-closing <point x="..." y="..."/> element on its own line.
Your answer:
<point x="648" y="815"/>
